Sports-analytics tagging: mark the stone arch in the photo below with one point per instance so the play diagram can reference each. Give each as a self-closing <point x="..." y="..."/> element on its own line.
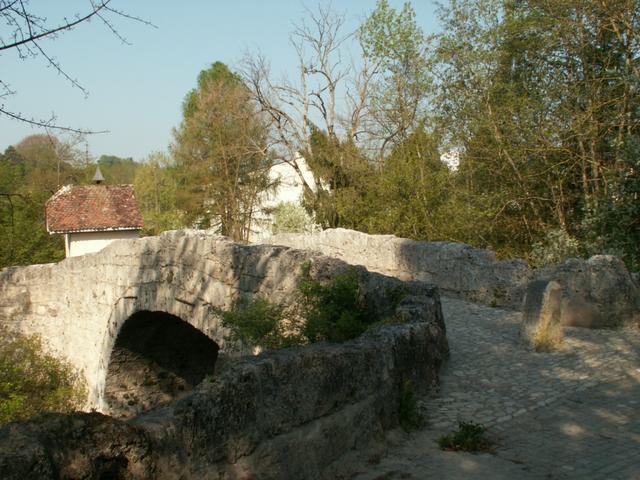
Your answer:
<point x="153" y="297"/>
<point x="156" y="358"/>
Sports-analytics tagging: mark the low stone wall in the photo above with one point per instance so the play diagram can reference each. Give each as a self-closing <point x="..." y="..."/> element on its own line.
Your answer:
<point x="457" y="269"/>
<point x="598" y="292"/>
<point x="288" y="414"/>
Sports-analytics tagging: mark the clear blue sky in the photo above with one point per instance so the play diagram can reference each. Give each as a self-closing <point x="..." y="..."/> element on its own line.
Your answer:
<point x="135" y="91"/>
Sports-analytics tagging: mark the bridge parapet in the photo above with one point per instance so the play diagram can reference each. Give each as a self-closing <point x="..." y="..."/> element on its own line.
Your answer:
<point x="79" y="305"/>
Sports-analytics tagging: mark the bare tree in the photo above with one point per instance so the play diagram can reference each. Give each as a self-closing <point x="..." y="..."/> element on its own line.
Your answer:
<point x="331" y="93"/>
<point x="26" y="32"/>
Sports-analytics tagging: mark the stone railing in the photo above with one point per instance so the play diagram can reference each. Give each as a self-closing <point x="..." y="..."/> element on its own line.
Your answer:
<point x="598" y="292"/>
<point x="288" y="414"/>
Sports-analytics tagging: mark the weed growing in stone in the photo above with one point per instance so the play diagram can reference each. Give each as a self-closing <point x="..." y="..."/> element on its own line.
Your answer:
<point x="32" y="382"/>
<point x="396" y="294"/>
<point x="410" y="417"/>
<point x="470" y="437"/>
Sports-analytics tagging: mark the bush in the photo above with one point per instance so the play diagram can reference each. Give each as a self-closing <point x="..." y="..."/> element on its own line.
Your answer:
<point x="333" y="311"/>
<point x="258" y="323"/>
<point x="557" y="246"/>
<point x="32" y="382"/>
<point x="468" y="438"/>
<point x="289" y="217"/>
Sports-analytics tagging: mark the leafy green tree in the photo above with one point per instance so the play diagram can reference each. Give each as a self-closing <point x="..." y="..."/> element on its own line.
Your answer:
<point x="340" y="172"/>
<point x="221" y="155"/>
<point x="413" y="193"/>
<point x="116" y="170"/>
<point x="23" y="192"/>
<point x="395" y="46"/>
<point x="156" y="187"/>
<point x="218" y="72"/>
<point x="541" y="100"/>
<point x="49" y="163"/>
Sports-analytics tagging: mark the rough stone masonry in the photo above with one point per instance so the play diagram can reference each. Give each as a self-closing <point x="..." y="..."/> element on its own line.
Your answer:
<point x="320" y="401"/>
<point x="598" y="292"/>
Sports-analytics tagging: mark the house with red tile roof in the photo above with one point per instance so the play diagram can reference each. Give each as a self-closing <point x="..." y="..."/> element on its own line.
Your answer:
<point x="92" y="216"/>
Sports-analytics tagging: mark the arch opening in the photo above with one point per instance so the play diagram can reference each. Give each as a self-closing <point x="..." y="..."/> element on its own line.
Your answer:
<point x="157" y="357"/>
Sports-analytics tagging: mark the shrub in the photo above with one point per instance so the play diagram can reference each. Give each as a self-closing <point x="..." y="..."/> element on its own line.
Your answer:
<point x="332" y="311"/>
<point x="32" y="382"/>
<point x="289" y="217"/>
<point x="468" y="438"/>
<point x="557" y="246"/>
<point x="258" y="323"/>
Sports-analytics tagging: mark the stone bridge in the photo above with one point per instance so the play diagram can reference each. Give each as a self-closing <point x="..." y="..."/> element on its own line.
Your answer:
<point x="154" y="303"/>
<point x="79" y="306"/>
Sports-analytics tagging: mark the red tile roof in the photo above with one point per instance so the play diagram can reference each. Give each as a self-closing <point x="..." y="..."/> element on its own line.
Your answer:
<point x="93" y="208"/>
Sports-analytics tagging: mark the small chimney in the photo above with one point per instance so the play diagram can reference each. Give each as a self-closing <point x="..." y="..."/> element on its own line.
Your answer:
<point x="98" y="178"/>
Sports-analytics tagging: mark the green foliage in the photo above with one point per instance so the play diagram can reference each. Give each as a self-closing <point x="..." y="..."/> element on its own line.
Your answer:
<point x="218" y="72"/>
<point x="413" y="192"/>
<point x="393" y="42"/>
<point x="289" y="217"/>
<point x="470" y="437"/>
<point x="221" y="154"/>
<point x="22" y="197"/>
<point x="330" y="311"/>
<point x="557" y="246"/>
<point x="612" y="226"/>
<point x="541" y="102"/>
<point x="409" y="412"/>
<point x="32" y="382"/>
<point x="342" y="176"/>
<point x="258" y="323"/>
<point x="333" y="311"/>
<point x="156" y="188"/>
<point x="116" y="170"/>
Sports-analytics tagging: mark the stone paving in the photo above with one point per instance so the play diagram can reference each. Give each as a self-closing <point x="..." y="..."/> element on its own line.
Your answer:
<point x="570" y="414"/>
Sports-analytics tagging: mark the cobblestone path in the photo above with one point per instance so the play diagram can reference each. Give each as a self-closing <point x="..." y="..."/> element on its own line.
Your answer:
<point x="563" y="415"/>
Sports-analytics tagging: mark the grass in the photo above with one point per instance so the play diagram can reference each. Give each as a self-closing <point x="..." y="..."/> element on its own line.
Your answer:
<point x="548" y="337"/>
<point x="470" y="437"/>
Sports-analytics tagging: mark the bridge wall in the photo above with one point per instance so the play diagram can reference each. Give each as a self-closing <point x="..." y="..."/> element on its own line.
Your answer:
<point x="455" y="268"/>
<point x="286" y="414"/>
<point x="599" y="288"/>
<point x="79" y="305"/>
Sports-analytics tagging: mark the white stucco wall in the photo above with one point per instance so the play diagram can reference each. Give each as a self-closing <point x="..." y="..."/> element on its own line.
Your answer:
<point x="290" y="189"/>
<point x="82" y="243"/>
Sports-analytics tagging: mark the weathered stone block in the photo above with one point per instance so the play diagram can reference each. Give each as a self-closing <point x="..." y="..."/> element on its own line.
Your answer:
<point x="597" y="293"/>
